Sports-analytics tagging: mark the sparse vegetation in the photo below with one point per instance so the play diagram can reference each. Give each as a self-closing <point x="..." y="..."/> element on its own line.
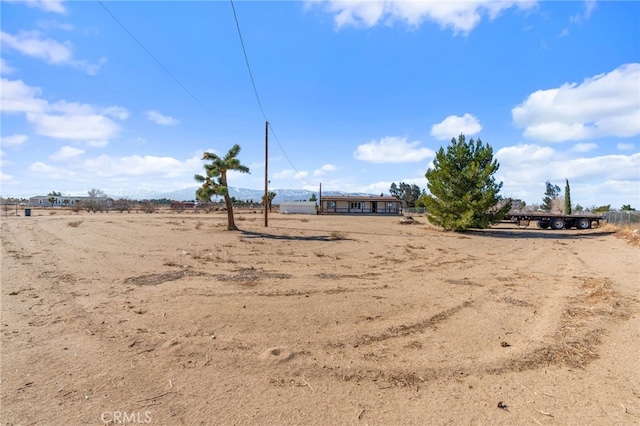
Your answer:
<point x="148" y="207"/>
<point x="122" y="205"/>
<point x="74" y="223"/>
<point x="338" y="235"/>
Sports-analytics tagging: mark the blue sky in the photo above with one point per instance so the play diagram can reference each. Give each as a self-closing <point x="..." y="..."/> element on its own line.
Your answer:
<point x="359" y="94"/>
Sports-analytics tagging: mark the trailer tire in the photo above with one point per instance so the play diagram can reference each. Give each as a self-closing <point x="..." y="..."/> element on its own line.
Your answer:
<point x="543" y="224"/>
<point x="584" y="223"/>
<point x="557" y="224"/>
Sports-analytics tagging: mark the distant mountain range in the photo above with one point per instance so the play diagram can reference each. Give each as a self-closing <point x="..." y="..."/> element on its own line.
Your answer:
<point x="186" y="194"/>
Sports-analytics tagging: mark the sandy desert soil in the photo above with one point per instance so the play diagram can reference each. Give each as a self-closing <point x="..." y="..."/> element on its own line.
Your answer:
<point x="169" y="319"/>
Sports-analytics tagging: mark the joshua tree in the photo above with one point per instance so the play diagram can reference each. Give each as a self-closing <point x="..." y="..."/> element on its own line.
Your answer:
<point x="215" y="181"/>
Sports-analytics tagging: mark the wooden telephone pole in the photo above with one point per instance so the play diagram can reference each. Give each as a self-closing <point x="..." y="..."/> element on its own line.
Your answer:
<point x="266" y="173"/>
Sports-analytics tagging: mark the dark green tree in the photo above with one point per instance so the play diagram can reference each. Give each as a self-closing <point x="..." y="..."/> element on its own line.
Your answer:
<point x="215" y="181"/>
<point x="463" y="191"/>
<point x="550" y="195"/>
<point x="627" y="208"/>
<point x="52" y="200"/>
<point x="408" y="194"/>
<point x="313" y="197"/>
<point x="567" y="197"/>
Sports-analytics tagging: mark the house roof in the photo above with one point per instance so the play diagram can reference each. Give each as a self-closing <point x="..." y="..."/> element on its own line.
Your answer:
<point x="358" y="198"/>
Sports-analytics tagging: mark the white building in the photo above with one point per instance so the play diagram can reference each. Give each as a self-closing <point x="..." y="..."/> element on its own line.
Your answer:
<point x="298" y="207"/>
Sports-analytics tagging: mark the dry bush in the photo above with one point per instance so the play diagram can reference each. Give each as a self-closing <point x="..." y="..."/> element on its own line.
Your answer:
<point x="75" y="223"/>
<point x="338" y="235"/>
<point x="632" y="235"/>
<point x="199" y="224"/>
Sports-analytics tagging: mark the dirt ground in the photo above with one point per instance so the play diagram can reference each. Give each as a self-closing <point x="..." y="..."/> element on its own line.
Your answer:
<point x="169" y="319"/>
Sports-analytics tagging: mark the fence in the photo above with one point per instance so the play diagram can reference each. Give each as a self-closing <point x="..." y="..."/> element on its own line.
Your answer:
<point x="623" y="218"/>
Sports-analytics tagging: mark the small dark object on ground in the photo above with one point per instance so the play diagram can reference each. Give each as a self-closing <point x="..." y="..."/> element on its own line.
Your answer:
<point x="504" y="344"/>
<point x="504" y="406"/>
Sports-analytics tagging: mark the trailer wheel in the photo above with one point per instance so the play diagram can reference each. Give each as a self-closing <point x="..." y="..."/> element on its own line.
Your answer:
<point x="584" y="223"/>
<point x="543" y="224"/>
<point x="557" y="223"/>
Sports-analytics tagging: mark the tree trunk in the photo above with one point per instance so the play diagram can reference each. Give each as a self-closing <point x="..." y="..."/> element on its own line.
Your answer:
<point x="231" y="225"/>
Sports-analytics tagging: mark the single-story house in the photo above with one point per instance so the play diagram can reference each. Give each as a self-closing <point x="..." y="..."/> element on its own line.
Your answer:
<point x="62" y="200"/>
<point x="298" y="207"/>
<point x="360" y="204"/>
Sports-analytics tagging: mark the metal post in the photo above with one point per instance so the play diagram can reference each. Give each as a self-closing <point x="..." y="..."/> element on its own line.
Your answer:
<point x="266" y="173"/>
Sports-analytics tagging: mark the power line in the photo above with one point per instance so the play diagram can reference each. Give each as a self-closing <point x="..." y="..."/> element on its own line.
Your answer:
<point x="169" y="73"/>
<point x="287" y="157"/>
<point x="246" y="59"/>
<point x="255" y="91"/>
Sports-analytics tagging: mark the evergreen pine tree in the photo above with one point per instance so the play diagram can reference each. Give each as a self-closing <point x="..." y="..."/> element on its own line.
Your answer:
<point x="463" y="191"/>
<point x="567" y="198"/>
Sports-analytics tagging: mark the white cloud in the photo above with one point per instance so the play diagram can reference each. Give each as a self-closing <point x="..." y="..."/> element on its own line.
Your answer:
<point x="55" y="25"/>
<point x="46" y="5"/>
<point x="13" y="140"/>
<point x="163" y="120"/>
<point x="625" y="146"/>
<point x="601" y="106"/>
<point x="392" y="149"/>
<point x="584" y="147"/>
<point x="74" y="127"/>
<point x="290" y="174"/>
<point x="41" y="169"/>
<point x="525" y="154"/>
<point x="6" y="179"/>
<point x="453" y="126"/>
<point x="31" y="43"/>
<point x="461" y="16"/>
<point x="524" y="169"/>
<point x="589" y="7"/>
<point x="135" y="165"/>
<point x="67" y="152"/>
<point x="15" y="96"/>
<point x="322" y="171"/>
<point x="62" y="119"/>
<point x="5" y="68"/>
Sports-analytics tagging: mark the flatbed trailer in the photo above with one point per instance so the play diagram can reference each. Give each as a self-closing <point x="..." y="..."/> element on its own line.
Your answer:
<point x="554" y="221"/>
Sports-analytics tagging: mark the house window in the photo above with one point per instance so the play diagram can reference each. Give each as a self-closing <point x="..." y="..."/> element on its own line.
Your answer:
<point x="356" y="205"/>
<point x="390" y="205"/>
<point x="331" y="205"/>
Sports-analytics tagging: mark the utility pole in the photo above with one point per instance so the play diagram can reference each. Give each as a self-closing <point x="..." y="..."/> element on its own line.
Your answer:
<point x="320" y="197"/>
<point x="266" y="173"/>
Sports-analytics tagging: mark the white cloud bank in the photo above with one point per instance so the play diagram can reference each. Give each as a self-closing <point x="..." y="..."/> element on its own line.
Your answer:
<point x="525" y="168"/>
<point x="453" y="126"/>
<point x="392" y="149"/>
<point x="33" y="44"/>
<point x="461" y="16"/>
<point x="602" y="106"/>
<point x="160" y="119"/>
<point x="62" y="119"/>
<point x="13" y="141"/>
<point x="67" y="152"/>
<point x="55" y="6"/>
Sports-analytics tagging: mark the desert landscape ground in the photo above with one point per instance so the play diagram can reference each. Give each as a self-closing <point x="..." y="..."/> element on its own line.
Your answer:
<point x="170" y="319"/>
